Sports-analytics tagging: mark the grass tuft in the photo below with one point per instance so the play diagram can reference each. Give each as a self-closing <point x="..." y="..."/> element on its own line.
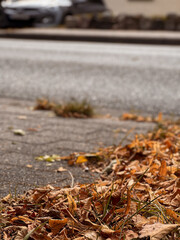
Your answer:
<point x="72" y="109"/>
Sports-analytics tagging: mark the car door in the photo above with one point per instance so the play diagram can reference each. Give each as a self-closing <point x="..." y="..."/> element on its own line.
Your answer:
<point x="88" y="6"/>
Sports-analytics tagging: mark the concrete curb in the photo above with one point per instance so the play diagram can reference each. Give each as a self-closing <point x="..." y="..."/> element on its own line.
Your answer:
<point x="108" y="36"/>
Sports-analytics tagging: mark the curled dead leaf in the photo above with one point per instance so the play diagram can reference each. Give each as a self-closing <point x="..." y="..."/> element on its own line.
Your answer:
<point x="22" y="219"/>
<point x="91" y="235"/>
<point x="173" y="215"/>
<point x="163" y="170"/>
<point x="56" y="225"/>
<point x="106" y="230"/>
<point x="61" y="169"/>
<point x="158" y="231"/>
<point x="22" y="232"/>
<point x="72" y="203"/>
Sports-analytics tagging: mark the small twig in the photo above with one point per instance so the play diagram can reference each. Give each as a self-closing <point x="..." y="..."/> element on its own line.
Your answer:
<point x="72" y="179"/>
<point x="109" y="199"/>
<point x="132" y="156"/>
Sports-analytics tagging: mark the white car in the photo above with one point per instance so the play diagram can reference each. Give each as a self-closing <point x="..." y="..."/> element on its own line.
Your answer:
<point x="48" y="12"/>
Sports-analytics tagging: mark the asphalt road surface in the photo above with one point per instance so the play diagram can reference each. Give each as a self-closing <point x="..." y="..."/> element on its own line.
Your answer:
<point x="117" y="76"/>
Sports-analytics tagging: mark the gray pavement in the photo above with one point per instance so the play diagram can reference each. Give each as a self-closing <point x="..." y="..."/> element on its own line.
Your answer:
<point x="48" y="134"/>
<point x="114" y="76"/>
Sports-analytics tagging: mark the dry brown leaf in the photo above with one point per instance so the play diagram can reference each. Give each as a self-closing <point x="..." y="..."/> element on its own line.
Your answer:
<point x="24" y="219"/>
<point x="163" y="170"/>
<point x="5" y="237"/>
<point x="56" y="225"/>
<point x="106" y="230"/>
<point x="7" y="198"/>
<point x="130" y="235"/>
<point x="22" y="232"/>
<point x="92" y="235"/>
<point x="139" y="220"/>
<point x="173" y="215"/>
<point x="80" y="238"/>
<point x="72" y="204"/>
<point x="29" y="166"/>
<point x="128" y="202"/>
<point x="157" y="231"/>
<point x="61" y="169"/>
<point x="160" y="117"/>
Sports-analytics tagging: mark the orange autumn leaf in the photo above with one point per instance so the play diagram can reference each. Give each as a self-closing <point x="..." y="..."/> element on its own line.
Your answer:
<point x="163" y="170"/>
<point x="98" y="207"/>
<point x="26" y="220"/>
<point x="56" y="225"/>
<point x="128" y="202"/>
<point x="160" y="117"/>
<point x="149" y="180"/>
<point x="119" y="210"/>
<point x="173" y="215"/>
<point x="154" y="168"/>
<point x="129" y="116"/>
<point x="172" y="169"/>
<point x="81" y="159"/>
<point x="141" y="119"/>
<point x="168" y="143"/>
<point x="133" y="171"/>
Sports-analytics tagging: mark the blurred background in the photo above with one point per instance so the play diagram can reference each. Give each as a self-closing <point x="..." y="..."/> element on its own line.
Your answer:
<point x="94" y="14"/>
<point x="117" y="55"/>
<point x="92" y="49"/>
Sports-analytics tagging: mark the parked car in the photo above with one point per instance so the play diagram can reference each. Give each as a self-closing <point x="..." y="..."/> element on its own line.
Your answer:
<point x="44" y="13"/>
<point x="3" y="18"/>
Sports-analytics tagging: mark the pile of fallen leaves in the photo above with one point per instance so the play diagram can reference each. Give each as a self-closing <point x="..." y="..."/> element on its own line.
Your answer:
<point x="139" y="118"/>
<point x="137" y="197"/>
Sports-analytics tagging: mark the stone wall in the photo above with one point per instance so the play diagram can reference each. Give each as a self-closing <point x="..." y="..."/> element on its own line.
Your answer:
<point x="145" y="7"/>
<point x="170" y="22"/>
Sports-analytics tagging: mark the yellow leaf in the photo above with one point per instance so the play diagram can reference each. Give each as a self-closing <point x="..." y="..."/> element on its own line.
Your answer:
<point x="19" y="132"/>
<point x="81" y="159"/>
<point x="72" y="204"/>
